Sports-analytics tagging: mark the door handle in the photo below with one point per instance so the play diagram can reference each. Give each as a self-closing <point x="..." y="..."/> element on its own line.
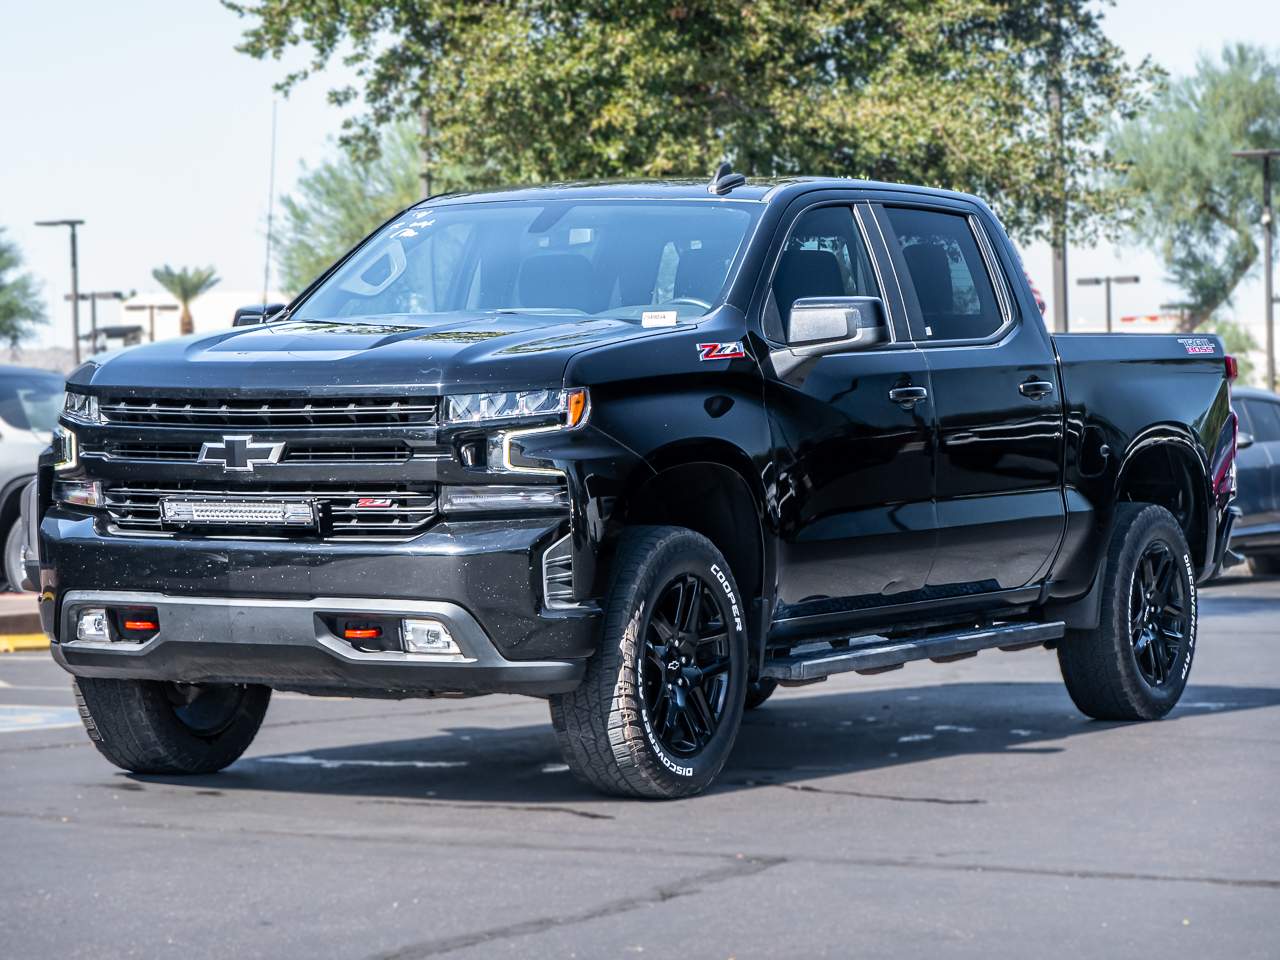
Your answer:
<point x="1035" y="389"/>
<point x="908" y="397"/>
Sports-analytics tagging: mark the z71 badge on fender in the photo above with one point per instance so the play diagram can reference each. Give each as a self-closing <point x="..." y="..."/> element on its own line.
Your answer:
<point x="721" y="351"/>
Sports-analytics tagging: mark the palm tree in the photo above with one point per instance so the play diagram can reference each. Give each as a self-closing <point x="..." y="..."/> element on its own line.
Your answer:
<point x="185" y="283"/>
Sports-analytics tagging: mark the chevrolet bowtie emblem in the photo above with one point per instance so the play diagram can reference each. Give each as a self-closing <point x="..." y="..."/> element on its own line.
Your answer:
<point x="240" y="453"/>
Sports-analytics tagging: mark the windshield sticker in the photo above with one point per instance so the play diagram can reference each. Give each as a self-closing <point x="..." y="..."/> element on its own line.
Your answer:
<point x="721" y="351"/>
<point x="659" y="318"/>
<point x="1197" y="344"/>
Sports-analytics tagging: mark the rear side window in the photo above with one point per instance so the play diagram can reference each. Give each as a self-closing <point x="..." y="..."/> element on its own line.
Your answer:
<point x="1264" y="417"/>
<point x="824" y="257"/>
<point x="956" y="296"/>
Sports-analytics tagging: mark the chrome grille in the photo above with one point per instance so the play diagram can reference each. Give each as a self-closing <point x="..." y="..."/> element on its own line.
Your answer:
<point x="345" y="513"/>
<point x="168" y="452"/>
<point x="272" y="413"/>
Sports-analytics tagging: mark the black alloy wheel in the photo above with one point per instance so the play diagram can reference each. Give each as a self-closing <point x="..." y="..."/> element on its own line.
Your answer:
<point x="685" y="671"/>
<point x="1159" y="614"/>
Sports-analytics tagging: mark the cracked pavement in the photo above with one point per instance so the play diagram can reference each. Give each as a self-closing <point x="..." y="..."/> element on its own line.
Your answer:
<point x="960" y="810"/>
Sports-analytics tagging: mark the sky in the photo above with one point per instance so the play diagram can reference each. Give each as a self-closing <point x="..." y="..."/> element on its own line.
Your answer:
<point x="140" y="118"/>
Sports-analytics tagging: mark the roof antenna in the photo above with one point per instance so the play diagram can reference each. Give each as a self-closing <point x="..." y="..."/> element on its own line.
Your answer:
<point x="725" y="180"/>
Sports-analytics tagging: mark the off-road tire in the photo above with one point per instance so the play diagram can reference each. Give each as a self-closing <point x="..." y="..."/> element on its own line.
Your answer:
<point x="758" y="691"/>
<point x="134" y="724"/>
<point x="11" y="571"/>
<point x="1265" y="564"/>
<point x="602" y="727"/>
<point x="1100" y="667"/>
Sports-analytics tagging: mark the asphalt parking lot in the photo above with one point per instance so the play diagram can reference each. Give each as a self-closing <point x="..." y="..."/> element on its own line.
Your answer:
<point x="942" y="810"/>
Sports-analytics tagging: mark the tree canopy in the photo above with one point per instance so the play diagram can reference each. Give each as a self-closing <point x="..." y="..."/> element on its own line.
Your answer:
<point x="953" y="93"/>
<point x="185" y="283"/>
<point x="1192" y="199"/>
<point x="21" y="307"/>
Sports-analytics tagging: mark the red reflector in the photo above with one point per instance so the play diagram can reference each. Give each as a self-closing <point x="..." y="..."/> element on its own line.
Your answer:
<point x="362" y="633"/>
<point x="1233" y="368"/>
<point x="141" y="625"/>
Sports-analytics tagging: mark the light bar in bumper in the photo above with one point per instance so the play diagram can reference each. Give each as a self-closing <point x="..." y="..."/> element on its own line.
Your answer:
<point x="286" y="643"/>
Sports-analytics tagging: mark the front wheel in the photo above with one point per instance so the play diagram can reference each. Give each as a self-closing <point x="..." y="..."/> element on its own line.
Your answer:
<point x="150" y="726"/>
<point x="1135" y="665"/>
<point x="660" y="705"/>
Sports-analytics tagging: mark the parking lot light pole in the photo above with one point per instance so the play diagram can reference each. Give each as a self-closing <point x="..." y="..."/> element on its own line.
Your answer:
<point x="75" y="280"/>
<point x="1268" y="231"/>
<point x="1106" y="282"/>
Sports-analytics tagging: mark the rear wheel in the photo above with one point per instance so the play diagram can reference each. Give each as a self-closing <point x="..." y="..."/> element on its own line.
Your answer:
<point x="1135" y="665"/>
<point x="150" y="726"/>
<point x="1265" y="564"/>
<point x="661" y="703"/>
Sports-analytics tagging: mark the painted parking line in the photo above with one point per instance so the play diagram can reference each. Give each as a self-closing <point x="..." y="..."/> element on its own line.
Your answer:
<point x="19" y="717"/>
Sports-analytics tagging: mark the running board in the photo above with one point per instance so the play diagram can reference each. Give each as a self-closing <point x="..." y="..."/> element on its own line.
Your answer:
<point x="814" y="661"/>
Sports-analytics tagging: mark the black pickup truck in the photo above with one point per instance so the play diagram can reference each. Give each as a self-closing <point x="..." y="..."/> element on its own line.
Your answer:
<point x="646" y="450"/>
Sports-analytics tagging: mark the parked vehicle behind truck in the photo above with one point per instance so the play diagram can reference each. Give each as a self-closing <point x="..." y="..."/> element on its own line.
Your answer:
<point x="30" y="401"/>
<point x="646" y="450"/>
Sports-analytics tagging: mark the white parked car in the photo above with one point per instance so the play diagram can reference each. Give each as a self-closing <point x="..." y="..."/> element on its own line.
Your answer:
<point x="30" y="401"/>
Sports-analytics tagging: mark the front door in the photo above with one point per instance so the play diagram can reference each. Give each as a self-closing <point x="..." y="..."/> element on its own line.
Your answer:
<point x="854" y="467"/>
<point x="996" y="397"/>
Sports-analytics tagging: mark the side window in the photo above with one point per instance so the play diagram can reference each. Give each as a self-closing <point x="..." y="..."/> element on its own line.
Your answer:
<point x="1265" y="418"/>
<point x="824" y="256"/>
<point x="950" y="279"/>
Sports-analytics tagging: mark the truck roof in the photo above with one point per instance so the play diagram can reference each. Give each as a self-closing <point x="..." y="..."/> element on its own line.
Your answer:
<point x="760" y="190"/>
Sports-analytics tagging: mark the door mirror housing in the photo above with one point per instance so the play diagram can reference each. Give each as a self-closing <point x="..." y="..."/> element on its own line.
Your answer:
<point x="822" y="325"/>
<point x="256" y="313"/>
<point x="1244" y="440"/>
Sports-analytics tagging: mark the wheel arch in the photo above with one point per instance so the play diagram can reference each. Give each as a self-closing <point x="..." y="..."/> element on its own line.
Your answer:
<point x="1166" y="466"/>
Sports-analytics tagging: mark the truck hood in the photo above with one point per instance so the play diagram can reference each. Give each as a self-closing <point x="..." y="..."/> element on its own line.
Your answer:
<point x="453" y="353"/>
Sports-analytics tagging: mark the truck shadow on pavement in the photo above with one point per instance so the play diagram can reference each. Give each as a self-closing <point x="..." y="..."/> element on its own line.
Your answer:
<point x="786" y="743"/>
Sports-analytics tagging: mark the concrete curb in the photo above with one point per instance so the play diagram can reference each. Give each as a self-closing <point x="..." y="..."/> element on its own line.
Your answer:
<point x="12" y="643"/>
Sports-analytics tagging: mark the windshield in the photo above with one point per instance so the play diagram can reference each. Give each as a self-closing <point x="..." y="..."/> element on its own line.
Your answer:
<point x="30" y="401"/>
<point x="598" y="258"/>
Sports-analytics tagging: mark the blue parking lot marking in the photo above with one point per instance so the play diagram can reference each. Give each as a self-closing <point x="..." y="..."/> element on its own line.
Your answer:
<point x="17" y="717"/>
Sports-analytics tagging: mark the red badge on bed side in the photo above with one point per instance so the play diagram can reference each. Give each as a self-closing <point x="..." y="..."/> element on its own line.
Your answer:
<point x="721" y="351"/>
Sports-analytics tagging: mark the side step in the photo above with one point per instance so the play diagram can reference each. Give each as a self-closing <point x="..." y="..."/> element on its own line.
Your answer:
<point x="814" y="661"/>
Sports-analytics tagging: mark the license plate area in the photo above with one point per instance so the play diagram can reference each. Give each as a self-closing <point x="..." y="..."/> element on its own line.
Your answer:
<point x="292" y="514"/>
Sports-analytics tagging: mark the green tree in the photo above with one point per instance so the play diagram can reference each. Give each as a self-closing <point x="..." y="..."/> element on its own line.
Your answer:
<point x="185" y="283"/>
<point x="951" y="93"/>
<point x="336" y="204"/>
<point x="1191" y="198"/>
<point x="21" y="308"/>
<point x="1238" y="342"/>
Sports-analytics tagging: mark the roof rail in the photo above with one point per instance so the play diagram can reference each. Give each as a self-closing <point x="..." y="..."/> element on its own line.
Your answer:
<point x="725" y="180"/>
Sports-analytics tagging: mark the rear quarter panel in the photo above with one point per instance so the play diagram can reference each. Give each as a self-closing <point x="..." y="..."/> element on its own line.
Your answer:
<point x="1123" y="392"/>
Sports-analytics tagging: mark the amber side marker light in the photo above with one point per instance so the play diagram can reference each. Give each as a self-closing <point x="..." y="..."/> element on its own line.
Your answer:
<point x="141" y="625"/>
<point x="577" y="406"/>
<point x="362" y="633"/>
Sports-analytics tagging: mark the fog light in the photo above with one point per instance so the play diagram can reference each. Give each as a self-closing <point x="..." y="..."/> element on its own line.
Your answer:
<point x="82" y="493"/>
<point x="93" y="626"/>
<point x="430" y="637"/>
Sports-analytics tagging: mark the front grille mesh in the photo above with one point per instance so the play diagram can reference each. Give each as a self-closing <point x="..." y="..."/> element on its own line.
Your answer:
<point x="345" y="513"/>
<point x="272" y="413"/>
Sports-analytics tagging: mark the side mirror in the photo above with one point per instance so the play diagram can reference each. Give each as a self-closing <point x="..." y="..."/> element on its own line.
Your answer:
<point x="833" y="324"/>
<point x="256" y="313"/>
<point x="1243" y="440"/>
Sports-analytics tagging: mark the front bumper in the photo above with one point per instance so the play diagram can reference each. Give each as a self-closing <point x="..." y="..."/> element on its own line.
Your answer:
<point x="248" y="611"/>
<point x="287" y="644"/>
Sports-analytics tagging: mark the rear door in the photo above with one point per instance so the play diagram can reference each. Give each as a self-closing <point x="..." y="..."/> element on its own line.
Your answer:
<point x="996" y="397"/>
<point x="853" y="468"/>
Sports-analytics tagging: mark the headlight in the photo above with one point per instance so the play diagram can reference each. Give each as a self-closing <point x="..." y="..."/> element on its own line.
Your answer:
<point x="568" y="406"/>
<point x="66" y="451"/>
<point x="81" y="407"/>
